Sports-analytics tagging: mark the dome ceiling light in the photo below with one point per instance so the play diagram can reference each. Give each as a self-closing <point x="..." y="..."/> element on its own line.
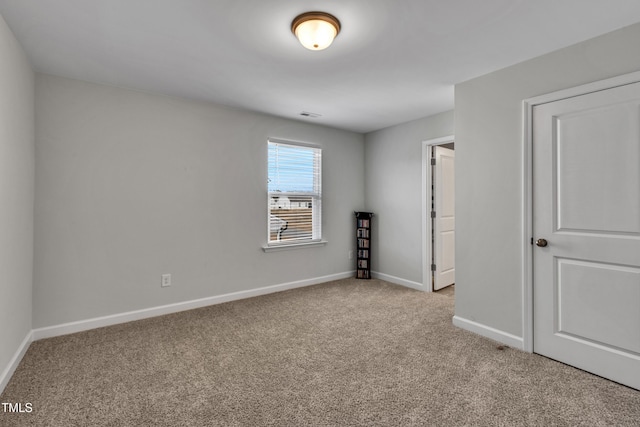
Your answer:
<point x="315" y="30"/>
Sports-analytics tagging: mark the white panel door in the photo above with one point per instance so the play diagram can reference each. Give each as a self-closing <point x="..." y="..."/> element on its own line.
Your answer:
<point x="445" y="219"/>
<point x="586" y="208"/>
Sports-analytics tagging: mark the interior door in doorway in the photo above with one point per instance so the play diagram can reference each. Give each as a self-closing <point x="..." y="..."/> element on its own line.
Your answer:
<point x="444" y="217"/>
<point x="586" y="225"/>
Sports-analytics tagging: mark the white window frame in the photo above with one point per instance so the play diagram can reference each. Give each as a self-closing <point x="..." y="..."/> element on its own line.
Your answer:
<point x="316" y="197"/>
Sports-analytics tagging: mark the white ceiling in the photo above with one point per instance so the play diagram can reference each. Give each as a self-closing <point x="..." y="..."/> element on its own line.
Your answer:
<point x="394" y="61"/>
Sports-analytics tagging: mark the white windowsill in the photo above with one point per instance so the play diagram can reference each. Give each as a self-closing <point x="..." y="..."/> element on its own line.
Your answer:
<point x="289" y="246"/>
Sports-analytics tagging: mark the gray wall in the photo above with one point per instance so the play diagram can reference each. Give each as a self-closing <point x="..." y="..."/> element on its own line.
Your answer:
<point x="16" y="194"/>
<point x="393" y="192"/>
<point x="489" y="146"/>
<point x="131" y="185"/>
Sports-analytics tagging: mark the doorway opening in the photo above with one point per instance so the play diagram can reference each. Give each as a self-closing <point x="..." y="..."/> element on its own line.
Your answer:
<point x="438" y="213"/>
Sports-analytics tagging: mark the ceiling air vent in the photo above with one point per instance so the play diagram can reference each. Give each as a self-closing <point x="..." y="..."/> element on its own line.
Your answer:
<point x="308" y="114"/>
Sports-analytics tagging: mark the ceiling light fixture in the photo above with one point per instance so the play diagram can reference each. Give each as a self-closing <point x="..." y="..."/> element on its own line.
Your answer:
<point x="315" y="30"/>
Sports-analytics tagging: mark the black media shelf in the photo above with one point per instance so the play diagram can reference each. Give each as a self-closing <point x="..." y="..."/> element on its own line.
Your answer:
<point x="363" y="244"/>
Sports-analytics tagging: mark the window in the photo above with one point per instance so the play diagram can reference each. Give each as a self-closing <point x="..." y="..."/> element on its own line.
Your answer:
<point x="294" y="187"/>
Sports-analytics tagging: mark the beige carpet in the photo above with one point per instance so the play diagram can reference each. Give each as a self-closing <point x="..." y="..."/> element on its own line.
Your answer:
<point x="345" y="353"/>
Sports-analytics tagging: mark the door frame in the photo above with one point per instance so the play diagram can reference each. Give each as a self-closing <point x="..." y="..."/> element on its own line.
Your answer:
<point x="426" y="207"/>
<point x="527" y="187"/>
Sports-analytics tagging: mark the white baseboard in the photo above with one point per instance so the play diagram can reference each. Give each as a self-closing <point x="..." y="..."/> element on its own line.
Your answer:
<point x="114" y="319"/>
<point x="398" y="281"/>
<point x="489" y="332"/>
<point x="15" y="361"/>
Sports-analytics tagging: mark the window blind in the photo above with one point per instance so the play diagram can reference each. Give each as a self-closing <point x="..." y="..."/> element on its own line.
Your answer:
<point x="294" y="193"/>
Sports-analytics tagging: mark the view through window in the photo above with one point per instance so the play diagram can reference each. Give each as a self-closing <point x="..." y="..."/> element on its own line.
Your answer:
<point x="294" y="186"/>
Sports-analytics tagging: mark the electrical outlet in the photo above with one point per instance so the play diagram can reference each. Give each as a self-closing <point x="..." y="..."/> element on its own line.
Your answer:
<point x="166" y="280"/>
<point x="350" y="254"/>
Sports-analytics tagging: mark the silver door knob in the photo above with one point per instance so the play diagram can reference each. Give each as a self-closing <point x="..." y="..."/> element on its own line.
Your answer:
<point x="541" y="242"/>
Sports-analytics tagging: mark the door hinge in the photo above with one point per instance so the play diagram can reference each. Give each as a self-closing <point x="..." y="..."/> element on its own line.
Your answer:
<point x="433" y="267"/>
<point x="433" y="161"/>
<point x="433" y="214"/>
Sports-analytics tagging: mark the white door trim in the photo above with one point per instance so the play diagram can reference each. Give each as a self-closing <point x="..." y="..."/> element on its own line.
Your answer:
<point x="527" y="187"/>
<point x="426" y="197"/>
